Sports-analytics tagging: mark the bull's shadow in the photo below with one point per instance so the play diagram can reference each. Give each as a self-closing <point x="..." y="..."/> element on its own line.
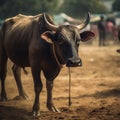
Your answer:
<point x="13" y="113"/>
<point x="104" y="94"/>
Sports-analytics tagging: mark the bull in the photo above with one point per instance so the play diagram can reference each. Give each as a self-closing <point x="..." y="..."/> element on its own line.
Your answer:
<point x="36" y="42"/>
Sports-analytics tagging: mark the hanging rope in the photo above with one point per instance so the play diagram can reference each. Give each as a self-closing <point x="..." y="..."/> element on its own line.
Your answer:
<point x="68" y="72"/>
<point x="69" y="86"/>
<point x="56" y="56"/>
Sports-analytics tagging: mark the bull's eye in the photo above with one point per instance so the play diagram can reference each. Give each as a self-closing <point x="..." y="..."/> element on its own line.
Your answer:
<point x="61" y="39"/>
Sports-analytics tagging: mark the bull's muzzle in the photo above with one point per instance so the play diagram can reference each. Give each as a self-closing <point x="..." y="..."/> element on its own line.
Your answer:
<point x="74" y="62"/>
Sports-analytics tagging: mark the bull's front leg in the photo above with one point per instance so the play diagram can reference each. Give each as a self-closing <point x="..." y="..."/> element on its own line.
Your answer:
<point x="50" y="105"/>
<point x="37" y="88"/>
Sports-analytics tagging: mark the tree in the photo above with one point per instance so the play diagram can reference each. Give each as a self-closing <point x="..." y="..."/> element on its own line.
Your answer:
<point x="10" y="8"/>
<point x="2" y="2"/>
<point x="46" y="5"/>
<point x="13" y="7"/>
<point x="77" y="8"/>
<point x="116" y="5"/>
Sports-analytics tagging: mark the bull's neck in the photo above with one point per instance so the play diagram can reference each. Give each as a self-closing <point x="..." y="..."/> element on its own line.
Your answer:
<point x="57" y="56"/>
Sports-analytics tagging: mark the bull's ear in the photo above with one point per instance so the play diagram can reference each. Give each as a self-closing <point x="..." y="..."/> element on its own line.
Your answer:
<point x="47" y="36"/>
<point x="86" y="35"/>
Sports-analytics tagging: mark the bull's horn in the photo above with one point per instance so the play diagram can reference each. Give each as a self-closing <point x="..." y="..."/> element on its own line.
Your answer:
<point x="83" y="25"/>
<point x="51" y="26"/>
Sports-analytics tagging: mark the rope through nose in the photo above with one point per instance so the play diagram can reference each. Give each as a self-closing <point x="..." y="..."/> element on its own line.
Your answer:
<point x="69" y="86"/>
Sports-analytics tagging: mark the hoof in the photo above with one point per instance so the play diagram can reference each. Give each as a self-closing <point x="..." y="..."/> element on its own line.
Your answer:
<point x="21" y="97"/>
<point x="36" y="114"/>
<point x="53" y="109"/>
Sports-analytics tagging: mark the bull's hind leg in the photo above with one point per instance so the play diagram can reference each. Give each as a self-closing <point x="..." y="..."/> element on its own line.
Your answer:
<point x="17" y="75"/>
<point x="3" y="71"/>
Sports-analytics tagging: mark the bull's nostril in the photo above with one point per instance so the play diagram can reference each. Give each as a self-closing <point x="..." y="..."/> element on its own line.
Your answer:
<point x="79" y="64"/>
<point x="77" y="61"/>
<point x="74" y="63"/>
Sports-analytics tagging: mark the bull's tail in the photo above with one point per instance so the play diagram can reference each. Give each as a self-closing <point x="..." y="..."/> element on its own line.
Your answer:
<point x="25" y="71"/>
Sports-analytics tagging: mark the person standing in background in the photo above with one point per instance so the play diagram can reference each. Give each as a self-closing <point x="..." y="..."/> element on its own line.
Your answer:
<point x="118" y="50"/>
<point x="102" y="31"/>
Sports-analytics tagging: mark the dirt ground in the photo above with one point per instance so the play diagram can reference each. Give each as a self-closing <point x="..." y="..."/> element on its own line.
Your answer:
<point x="95" y="90"/>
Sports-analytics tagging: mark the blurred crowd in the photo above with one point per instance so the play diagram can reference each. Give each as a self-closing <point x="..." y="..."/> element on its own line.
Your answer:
<point x="107" y="31"/>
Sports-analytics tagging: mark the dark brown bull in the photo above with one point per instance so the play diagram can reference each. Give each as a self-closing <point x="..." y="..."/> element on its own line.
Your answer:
<point x="34" y="41"/>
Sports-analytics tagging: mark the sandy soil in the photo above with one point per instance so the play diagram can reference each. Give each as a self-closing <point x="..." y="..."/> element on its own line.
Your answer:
<point x="95" y="90"/>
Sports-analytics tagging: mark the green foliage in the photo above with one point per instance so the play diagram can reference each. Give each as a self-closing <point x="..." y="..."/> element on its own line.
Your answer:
<point x="81" y="7"/>
<point x="13" y="7"/>
<point x="73" y="8"/>
<point x="46" y="5"/>
<point x="116" y="5"/>
<point x="10" y="8"/>
<point x="2" y="2"/>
